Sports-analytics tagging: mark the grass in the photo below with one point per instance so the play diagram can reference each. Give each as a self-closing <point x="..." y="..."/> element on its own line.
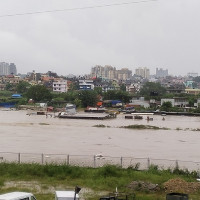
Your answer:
<point x="43" y="124"/>
<point x="140" y="126"/>
<point x="99" y="180"/>
<point x="101" y="126"/>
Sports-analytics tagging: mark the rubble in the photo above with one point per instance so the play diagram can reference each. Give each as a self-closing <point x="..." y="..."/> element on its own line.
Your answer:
<point x="181" y="186"/>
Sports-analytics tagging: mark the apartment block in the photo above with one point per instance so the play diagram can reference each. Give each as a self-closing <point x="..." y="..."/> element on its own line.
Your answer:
<point x="60" y="86"/>
<point x="7" y="69"/>
<point x="143" y="72"/>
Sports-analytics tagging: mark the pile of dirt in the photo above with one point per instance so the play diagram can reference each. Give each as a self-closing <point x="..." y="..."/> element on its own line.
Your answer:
<point x="143" y="186"/>
<point x="181" y="186"/>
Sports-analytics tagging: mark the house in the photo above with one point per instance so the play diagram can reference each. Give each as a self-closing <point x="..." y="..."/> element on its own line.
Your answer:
<point x="192" y="91"/>
<point x="139" y="102"/>
<point x="176" y="101"/>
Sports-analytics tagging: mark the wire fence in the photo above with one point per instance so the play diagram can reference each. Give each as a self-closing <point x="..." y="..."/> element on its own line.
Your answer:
<point x="95" y="161"/>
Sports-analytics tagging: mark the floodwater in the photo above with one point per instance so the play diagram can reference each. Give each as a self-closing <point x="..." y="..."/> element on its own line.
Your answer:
<point x="22" y="133"/>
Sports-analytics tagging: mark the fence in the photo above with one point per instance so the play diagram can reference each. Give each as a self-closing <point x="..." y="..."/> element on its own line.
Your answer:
<point x="98" y="161"/>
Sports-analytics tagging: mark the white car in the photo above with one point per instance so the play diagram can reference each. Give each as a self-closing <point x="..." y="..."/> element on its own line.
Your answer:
<point x="17" y="196"/>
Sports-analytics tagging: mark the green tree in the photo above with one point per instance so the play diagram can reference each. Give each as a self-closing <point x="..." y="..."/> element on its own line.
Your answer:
<point x="88" y="97"/>
<point x="123" y="87"/>
<point x="39" y="93"/>
<point x="22" y="87"/>
<point x="9" y="87"/>
<point x="166" y="106"/>
<point x="98" y="90"/>
<point x="70" y="96"/>
<point x="117" y="95"/>
<point x="152" y="89"/>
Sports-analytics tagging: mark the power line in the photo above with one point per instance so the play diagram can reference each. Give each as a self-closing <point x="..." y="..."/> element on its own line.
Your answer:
<point x="74" y="9"/>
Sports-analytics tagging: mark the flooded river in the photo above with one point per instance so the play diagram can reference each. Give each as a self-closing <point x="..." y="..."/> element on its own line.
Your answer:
<point x="38" y="134"/>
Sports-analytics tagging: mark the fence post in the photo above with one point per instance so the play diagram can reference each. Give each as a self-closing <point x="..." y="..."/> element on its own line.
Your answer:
<point x="121" y="162"/>
<point x="42" y="158"/>
<point x="148" y="163"/>
<point x="94" y="161"/>
<point x="176" y="164"/>
<point x="19" y="158"/>
<point x="68" y="159"/>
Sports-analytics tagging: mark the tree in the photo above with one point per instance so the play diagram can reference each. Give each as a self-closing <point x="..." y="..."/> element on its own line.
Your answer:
<point x="98" y="90"/>
<point x="123" y="87"/>
<point x="152" y="89"/>
<point x="117" y="95"/>
<point x="9" y="87"/>
<point x="70" y="96"/>
<point x="39" y="93"/>
<point x="88" y="98"/>
<point x="22" y="87"/>
<point x="166" y="106"/>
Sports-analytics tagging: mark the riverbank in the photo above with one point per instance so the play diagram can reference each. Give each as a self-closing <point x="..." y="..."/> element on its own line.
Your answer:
<point x="44" y="180"/>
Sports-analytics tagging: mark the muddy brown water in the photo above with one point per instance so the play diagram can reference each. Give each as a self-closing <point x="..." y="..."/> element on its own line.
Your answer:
<point x="38" y="134"/>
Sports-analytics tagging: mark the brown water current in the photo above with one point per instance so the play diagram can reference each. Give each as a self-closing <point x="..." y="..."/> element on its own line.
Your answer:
<point x="38" y="134"/>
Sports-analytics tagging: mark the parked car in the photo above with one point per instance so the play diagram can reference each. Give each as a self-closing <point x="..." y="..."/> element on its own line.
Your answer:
<point x="17" y="196"/>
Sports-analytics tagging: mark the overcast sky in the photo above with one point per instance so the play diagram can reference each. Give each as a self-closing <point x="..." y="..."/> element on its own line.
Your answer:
<point x="162" y="33"/>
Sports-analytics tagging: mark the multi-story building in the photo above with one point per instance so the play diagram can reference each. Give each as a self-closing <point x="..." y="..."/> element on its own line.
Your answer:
<point x="4" y="68"/>
<point x="7" y="69"/>
<point x="143" y="72"/>
<point x="86" y="85"/>
<point x="161" y="73"/>
<point x="60" y="86"/>
<point x="11" y="79"/>
<point x="124" y="74"/>
<point x="192" y="74"/>
<point x="110" y="73"/>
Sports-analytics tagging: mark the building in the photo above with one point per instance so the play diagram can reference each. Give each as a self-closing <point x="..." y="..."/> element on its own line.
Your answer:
<point x="86" y="85"/>
<point x="176" y="101"/>
<point x="110" y="73"/>
<point x="60" y="86"/>
<point x="134" y="88"/>
<point x="7" y="69"/>
<point x="143" y="72"/>
<point x="192" y="74"/>
<point x="160" y="73"/>
<point x="192" y="91"/>
<point x="139" y="102"/>
<point x="124" y="74"/>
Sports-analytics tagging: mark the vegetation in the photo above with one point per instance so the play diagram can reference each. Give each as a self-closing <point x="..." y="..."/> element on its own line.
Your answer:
<point x="152" y="90"/>
<point x="88" y="98"/>
<point x="99" y="180"/>
<point x="140" y="126"/>
<point x="39" y="93"/>
<point x="22" y="87"/>
<point x="117" y="95"/>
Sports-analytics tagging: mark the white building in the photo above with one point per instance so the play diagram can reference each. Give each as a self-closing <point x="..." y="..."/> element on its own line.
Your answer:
<point x="176" y="101"/>
<point x="139" y="101"/>
<point x="86" y="85"/>
<point x="60" y="86"/>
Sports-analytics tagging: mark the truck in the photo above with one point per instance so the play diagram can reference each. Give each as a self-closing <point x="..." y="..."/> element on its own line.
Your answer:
<point x="66" y="195"/>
